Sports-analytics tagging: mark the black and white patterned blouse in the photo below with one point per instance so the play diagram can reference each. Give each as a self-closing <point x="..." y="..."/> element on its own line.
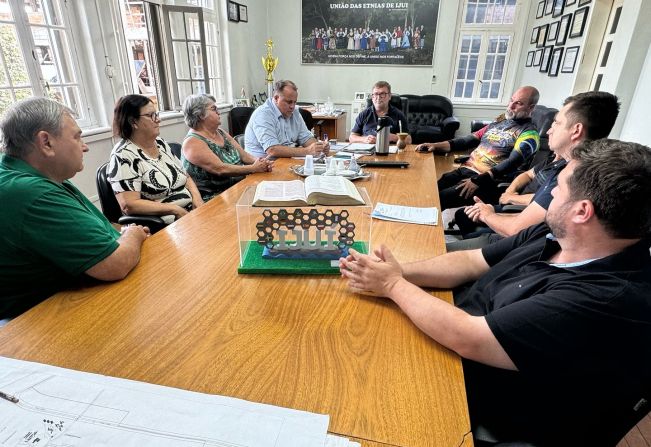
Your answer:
<point x="160" y="179"/>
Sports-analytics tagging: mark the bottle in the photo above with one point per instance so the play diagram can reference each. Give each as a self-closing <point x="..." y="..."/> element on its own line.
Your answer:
<point x="329" y="107"/>
<point x="383" y="129"/>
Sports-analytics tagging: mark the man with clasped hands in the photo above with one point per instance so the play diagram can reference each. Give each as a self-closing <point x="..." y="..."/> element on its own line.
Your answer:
<point x="555" y="331"/>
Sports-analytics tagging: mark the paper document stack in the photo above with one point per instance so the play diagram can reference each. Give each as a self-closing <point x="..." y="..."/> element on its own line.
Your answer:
<point x="407" y="214"/>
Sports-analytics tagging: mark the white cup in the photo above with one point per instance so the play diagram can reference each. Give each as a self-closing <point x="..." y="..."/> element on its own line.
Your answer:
<point x="308" y="167"/>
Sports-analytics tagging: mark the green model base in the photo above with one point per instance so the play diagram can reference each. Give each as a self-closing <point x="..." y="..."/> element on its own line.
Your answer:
<point x="255" y="263"/>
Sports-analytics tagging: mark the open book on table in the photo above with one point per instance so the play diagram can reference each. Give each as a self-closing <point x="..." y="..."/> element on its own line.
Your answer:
<point x="316" y="190"/>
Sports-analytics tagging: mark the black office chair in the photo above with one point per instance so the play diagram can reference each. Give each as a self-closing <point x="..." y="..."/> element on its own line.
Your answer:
<point x="176" y="149"/>
<point x="239" y="118"/>
<point x="307" y="117"/>
<point x="111" y="208"/>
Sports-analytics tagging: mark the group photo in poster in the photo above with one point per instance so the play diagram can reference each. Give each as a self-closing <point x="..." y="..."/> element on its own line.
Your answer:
<point x="359" y="32"/>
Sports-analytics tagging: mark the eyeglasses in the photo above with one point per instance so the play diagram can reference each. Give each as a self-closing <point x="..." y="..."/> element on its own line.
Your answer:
<point x="380" y="95"/>
<point x="154" y="116"/>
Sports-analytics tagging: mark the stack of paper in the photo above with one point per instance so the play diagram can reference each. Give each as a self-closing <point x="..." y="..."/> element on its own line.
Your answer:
<point x="407" y="214"/>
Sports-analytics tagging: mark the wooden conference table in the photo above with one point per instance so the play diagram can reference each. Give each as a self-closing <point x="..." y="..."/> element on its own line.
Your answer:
<point x="185" y="318"/>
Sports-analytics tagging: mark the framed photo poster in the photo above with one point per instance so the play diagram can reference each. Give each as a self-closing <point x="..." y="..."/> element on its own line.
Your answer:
<point x="541" y="9"/>
<point x="370" y="33"/>
<point x="537" y="57"/>
<point x="244" y="13"/>
<point x="530" y="58"/>
<point x="558" y="8"/>
<point x="563" y="29"/>
<point x="546" y="57"/>
<point x="542" y="36"/>
<point x="549" y="7"/>
<point x="557" y="55"/>
<point x="584" y="2"/>
<point x="571" y="54"/>
<point x="233" y="11"/>
<point x="552" y="34"/>
<point x="578" y="24"/>
<point x="534" y="34"/>
<point x="569" y="2"/>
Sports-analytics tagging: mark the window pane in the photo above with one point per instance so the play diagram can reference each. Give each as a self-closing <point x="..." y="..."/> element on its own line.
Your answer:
<point x="499" y="67"/>
<point x="470" y="13"/>
<point x="458" y="89"/>
<point x="192" y="26"/>
<point x="483" y="92"/>
<point x="45" y="55"/>
<point x="463" y="62"/>
<point x="481" y="14"/>
<point x="137" y="36"/>
<point x="64" y="54"/>
<point x="468" y="90"/>
<point x="198" y="87"/>
<point x="472" y="67"/>
<point x="42" y="12"/>
<point x="23" y="93"/>
<point x="177" y="27"/>
<point x="12" y="56"/>
<point x="476" y="44"/>
<point x="5" y="11"/>
<point x="488" y="67"/>
<point x="185" y="89"/>
<point x="5" y="100"/>
<point x="495" y="89"/>
<point x="73" y="99"/>
<point x="181" y="59"/>
<point x="465" y="44"/>
<point x="196" y="60"/>
<point x="211" y="33"/>
<point x="214" y="70"/>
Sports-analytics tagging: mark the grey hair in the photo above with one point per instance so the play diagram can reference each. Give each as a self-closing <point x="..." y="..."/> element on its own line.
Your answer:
<point x="280" y="85"/>
<point x="194" y="108"/>
<point x="23" y="120"/>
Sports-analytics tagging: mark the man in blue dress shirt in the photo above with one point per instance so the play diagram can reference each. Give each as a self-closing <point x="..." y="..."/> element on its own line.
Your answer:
<point x="277" y="129"/>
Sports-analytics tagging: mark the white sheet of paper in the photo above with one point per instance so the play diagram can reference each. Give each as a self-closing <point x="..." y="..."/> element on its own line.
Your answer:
<point x="407" y="214"/>
<point x="59" y="406"/>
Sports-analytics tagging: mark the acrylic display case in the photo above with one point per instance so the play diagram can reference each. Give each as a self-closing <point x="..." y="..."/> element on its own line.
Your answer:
<point x="300" y="240"/>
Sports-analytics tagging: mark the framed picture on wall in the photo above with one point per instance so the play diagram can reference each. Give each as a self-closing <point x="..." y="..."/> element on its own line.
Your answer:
<point x="534" y="34"/>
<point x="549" y="7"/>
<point x="552" y="34"/>
<point x="584" y="2"/>
<point x="563" y="28"/>
<point x="558" y="8"/>
<point x="242" y="102"/>
<point x="541" y="9"/>
<point x="530" y="55"/>
<point x="546" y="56"/>
<point x="569" y="2"/>
<point x="555" y="64"/>
<point x="537" y="57"/>
<point x="244" y="13"/>
<point x="233" y="11"/>
<point x="578" y="24"/>
<point x="569" y="62"/>
<point x="542" y="36"/>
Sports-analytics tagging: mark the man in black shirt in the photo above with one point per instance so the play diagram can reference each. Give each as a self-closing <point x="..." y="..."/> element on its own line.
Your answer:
<point x="555" y="332"/>
<point x="364" y="130"/>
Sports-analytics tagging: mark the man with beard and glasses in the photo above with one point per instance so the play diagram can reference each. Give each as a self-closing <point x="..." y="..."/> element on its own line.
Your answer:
<point x="555" y="331"/>
<point x="501" y="147"/>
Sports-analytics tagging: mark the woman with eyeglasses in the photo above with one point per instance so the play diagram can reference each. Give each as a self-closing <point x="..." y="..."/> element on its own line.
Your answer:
<point x="146" y="177"/>
<point x="211" y="156"/>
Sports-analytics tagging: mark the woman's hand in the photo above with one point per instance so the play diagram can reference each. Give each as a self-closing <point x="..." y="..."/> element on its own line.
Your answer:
<point x="177" y="211"/>
<point x="261" y="165"/>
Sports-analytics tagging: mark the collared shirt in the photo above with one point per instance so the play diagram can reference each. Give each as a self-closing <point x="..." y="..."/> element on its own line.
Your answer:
<point x="50" y="234"/>
<point x="366" y="122"/>
<point x="268" y="127"/>
<point x="579" y="335"/>
<point x="543" y="195"/>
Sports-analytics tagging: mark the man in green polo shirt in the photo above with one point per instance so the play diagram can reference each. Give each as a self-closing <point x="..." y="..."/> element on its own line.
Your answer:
<point x="51" y="235"/>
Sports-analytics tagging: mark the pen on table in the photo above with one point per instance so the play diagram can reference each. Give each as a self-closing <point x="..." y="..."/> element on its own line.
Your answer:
<point x="8" y="397"/>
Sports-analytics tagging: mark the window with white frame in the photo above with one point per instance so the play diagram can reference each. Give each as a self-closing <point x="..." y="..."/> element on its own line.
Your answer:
<point x="37" y="55"/>
<point x="169" y="48"/>
<point x="486" y="34"/>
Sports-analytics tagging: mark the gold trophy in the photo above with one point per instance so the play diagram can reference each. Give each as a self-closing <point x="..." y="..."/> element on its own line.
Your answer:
<point x="269" y="63"/>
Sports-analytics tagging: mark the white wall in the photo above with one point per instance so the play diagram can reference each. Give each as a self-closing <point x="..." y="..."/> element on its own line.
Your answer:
<point x="636" y="125"/>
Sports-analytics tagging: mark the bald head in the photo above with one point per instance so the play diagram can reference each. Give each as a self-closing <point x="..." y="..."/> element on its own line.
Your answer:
<point x="522" y="102"/>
